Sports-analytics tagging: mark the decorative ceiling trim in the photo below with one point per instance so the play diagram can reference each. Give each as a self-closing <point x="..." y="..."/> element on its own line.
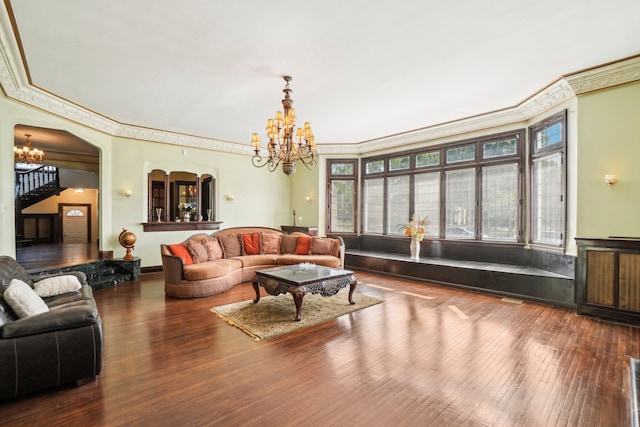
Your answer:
<point x="15" y="85"/>
<point x="609" y="75"/>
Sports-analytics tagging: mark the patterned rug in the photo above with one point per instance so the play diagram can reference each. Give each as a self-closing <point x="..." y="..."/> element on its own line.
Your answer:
<point x="274" y="316"/>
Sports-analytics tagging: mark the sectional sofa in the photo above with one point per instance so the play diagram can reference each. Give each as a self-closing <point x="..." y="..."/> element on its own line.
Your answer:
<point x="205" y="265"/>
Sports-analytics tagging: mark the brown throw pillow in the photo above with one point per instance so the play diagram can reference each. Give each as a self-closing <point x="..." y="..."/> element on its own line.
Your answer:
<point x="321" y="246"/>
<point x="302" y="248"/>
<point x="198" y="251"/>
<point x="251" y="244"/>
<point x="271" y="243"/>
<point x="288" y="244"/>
<point x="230" y="245"/>
<point x="213" y="248"/>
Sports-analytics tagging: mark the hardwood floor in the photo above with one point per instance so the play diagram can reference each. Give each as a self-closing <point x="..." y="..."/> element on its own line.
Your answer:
<point x="44" y="256"/>
<point x="428" y="355"/>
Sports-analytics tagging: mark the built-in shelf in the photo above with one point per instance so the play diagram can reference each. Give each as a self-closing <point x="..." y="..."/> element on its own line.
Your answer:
<point x="177" y="226"/>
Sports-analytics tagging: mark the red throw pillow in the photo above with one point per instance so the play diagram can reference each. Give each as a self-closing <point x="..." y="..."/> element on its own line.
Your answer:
<point x="251" y="244"/>
<point x="302" y="248"/>
<point x="181" y="251"/>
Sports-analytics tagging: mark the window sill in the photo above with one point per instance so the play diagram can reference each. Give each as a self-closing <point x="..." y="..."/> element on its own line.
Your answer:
<point x="177" y="226"/>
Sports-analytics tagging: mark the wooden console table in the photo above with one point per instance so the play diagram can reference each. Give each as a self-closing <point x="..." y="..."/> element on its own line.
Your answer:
<point x="608" y="278"/>
<point x="311" y="230"/>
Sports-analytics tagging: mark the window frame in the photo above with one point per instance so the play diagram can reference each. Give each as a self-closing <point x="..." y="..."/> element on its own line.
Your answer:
<point x="539" y="153"/>
<point x="477" y="162"/>
<point x="342" y="177"/>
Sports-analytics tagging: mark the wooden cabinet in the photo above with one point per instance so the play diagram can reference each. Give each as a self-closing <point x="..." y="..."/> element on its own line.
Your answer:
<point x="311" y="230"/>
<point x="608" y="278"/>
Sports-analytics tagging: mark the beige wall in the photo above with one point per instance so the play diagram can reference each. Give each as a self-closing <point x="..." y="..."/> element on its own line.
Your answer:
<point x="604" y="137"/>
<point x="609" y="142"/>
<point x="260" y="197"/>
<point x="304" y="183"/>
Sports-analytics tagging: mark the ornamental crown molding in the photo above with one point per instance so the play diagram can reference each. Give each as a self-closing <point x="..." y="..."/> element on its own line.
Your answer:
<point x="606" y="76"/>
<point x="14" y="83"/>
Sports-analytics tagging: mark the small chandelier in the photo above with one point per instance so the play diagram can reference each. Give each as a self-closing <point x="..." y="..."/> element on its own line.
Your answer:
<point x="27" y="154"/>
<point x="283" y="145"/>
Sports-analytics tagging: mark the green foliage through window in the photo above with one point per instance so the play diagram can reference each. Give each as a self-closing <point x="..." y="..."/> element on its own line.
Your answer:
<point x="375" y="166"/>
<point x="428" y="159"/>
<point x="461" y="154"/>
<point x="399" y="163"/>
<point x="504" y="147"/>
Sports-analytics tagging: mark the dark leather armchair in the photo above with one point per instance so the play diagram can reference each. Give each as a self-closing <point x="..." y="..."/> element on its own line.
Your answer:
<point x="52" y="348"/>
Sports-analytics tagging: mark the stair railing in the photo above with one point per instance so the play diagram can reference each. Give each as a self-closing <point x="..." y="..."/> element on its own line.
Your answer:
<point x="34" y="179"/>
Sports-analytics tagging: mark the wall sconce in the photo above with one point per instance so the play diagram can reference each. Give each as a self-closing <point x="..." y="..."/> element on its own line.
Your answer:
<point x="128" y="193"/>
<point x="610" y="179"/>
<point x="229" y="197"/>
<point x="308" y="199"/>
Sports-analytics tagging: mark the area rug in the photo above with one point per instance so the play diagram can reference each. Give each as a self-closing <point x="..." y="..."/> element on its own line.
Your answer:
<point x="274" y="316"/>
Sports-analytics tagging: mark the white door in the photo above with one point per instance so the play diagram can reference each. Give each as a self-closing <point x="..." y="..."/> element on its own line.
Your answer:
<point x="74" y="224"/>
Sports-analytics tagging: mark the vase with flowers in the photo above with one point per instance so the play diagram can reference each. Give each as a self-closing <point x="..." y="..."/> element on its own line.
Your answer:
<point x="415" y="230"/>
<point x="187" y="209"/>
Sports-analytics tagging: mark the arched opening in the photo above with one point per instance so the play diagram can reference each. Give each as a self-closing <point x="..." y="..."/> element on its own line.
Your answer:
<point x="67" y="176"/>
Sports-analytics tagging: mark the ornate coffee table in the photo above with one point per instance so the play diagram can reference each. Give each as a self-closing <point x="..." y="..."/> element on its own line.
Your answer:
<point x="301" y="279"/>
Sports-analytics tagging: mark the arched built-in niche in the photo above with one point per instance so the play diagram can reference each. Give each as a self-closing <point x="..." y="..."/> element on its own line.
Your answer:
<point x="176" y="194"/>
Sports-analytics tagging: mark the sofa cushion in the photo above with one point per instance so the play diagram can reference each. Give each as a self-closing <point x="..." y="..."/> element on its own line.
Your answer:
<point x="288" y="244"/>
<point x="258" y="260"/>
<point x="213" y="248"/>
<point x="198" y="251"/>
<point x="321" y="246"/>
<point x="231" y="245"/>
<point x="181" y="251"/>
<point x="303" y="244"/>
<point x="271" y="243"/>
<point x="211" y="269"/>
<point x="251" y="244"/>
<point x="24" y="300"/>
<point x="57" y="285"/>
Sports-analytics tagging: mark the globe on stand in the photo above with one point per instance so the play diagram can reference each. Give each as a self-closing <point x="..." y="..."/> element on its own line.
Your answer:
<point x="127" y="240"/>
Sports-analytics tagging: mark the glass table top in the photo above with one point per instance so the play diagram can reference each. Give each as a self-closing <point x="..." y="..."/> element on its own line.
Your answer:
<point x="303" y="273"/>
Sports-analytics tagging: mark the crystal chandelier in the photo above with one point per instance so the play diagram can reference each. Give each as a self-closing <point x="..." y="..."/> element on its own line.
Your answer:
<point x="285" y="146"/>
<point x="27" y="154"/>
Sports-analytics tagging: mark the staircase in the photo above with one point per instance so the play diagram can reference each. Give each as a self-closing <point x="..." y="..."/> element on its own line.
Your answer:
<point x="35" y="185"/>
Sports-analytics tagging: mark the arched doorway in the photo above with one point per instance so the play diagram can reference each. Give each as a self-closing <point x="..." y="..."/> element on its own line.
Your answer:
<point x="40" y="241"/>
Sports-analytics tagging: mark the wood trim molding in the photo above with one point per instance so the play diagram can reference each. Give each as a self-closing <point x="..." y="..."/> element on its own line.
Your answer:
<point x="179" y="226"/>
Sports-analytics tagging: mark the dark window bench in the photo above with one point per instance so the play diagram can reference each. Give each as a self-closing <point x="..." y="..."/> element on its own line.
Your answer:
<point x="516" y="277"/>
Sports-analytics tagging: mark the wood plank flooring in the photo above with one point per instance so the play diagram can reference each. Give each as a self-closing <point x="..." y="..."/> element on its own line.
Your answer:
<point x="427" y="356"/>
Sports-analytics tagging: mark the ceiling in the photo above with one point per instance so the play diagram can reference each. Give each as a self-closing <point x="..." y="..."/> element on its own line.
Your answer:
<point x="361" y="69"/>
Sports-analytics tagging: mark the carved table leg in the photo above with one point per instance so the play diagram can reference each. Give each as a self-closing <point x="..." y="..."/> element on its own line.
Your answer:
<point x="352" y="287"/>
<point x="298" y="295"/>
<point x="256" y="288"/>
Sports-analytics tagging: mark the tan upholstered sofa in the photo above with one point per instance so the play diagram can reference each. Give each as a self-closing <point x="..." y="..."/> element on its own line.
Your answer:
<point x="206" y="265"/>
